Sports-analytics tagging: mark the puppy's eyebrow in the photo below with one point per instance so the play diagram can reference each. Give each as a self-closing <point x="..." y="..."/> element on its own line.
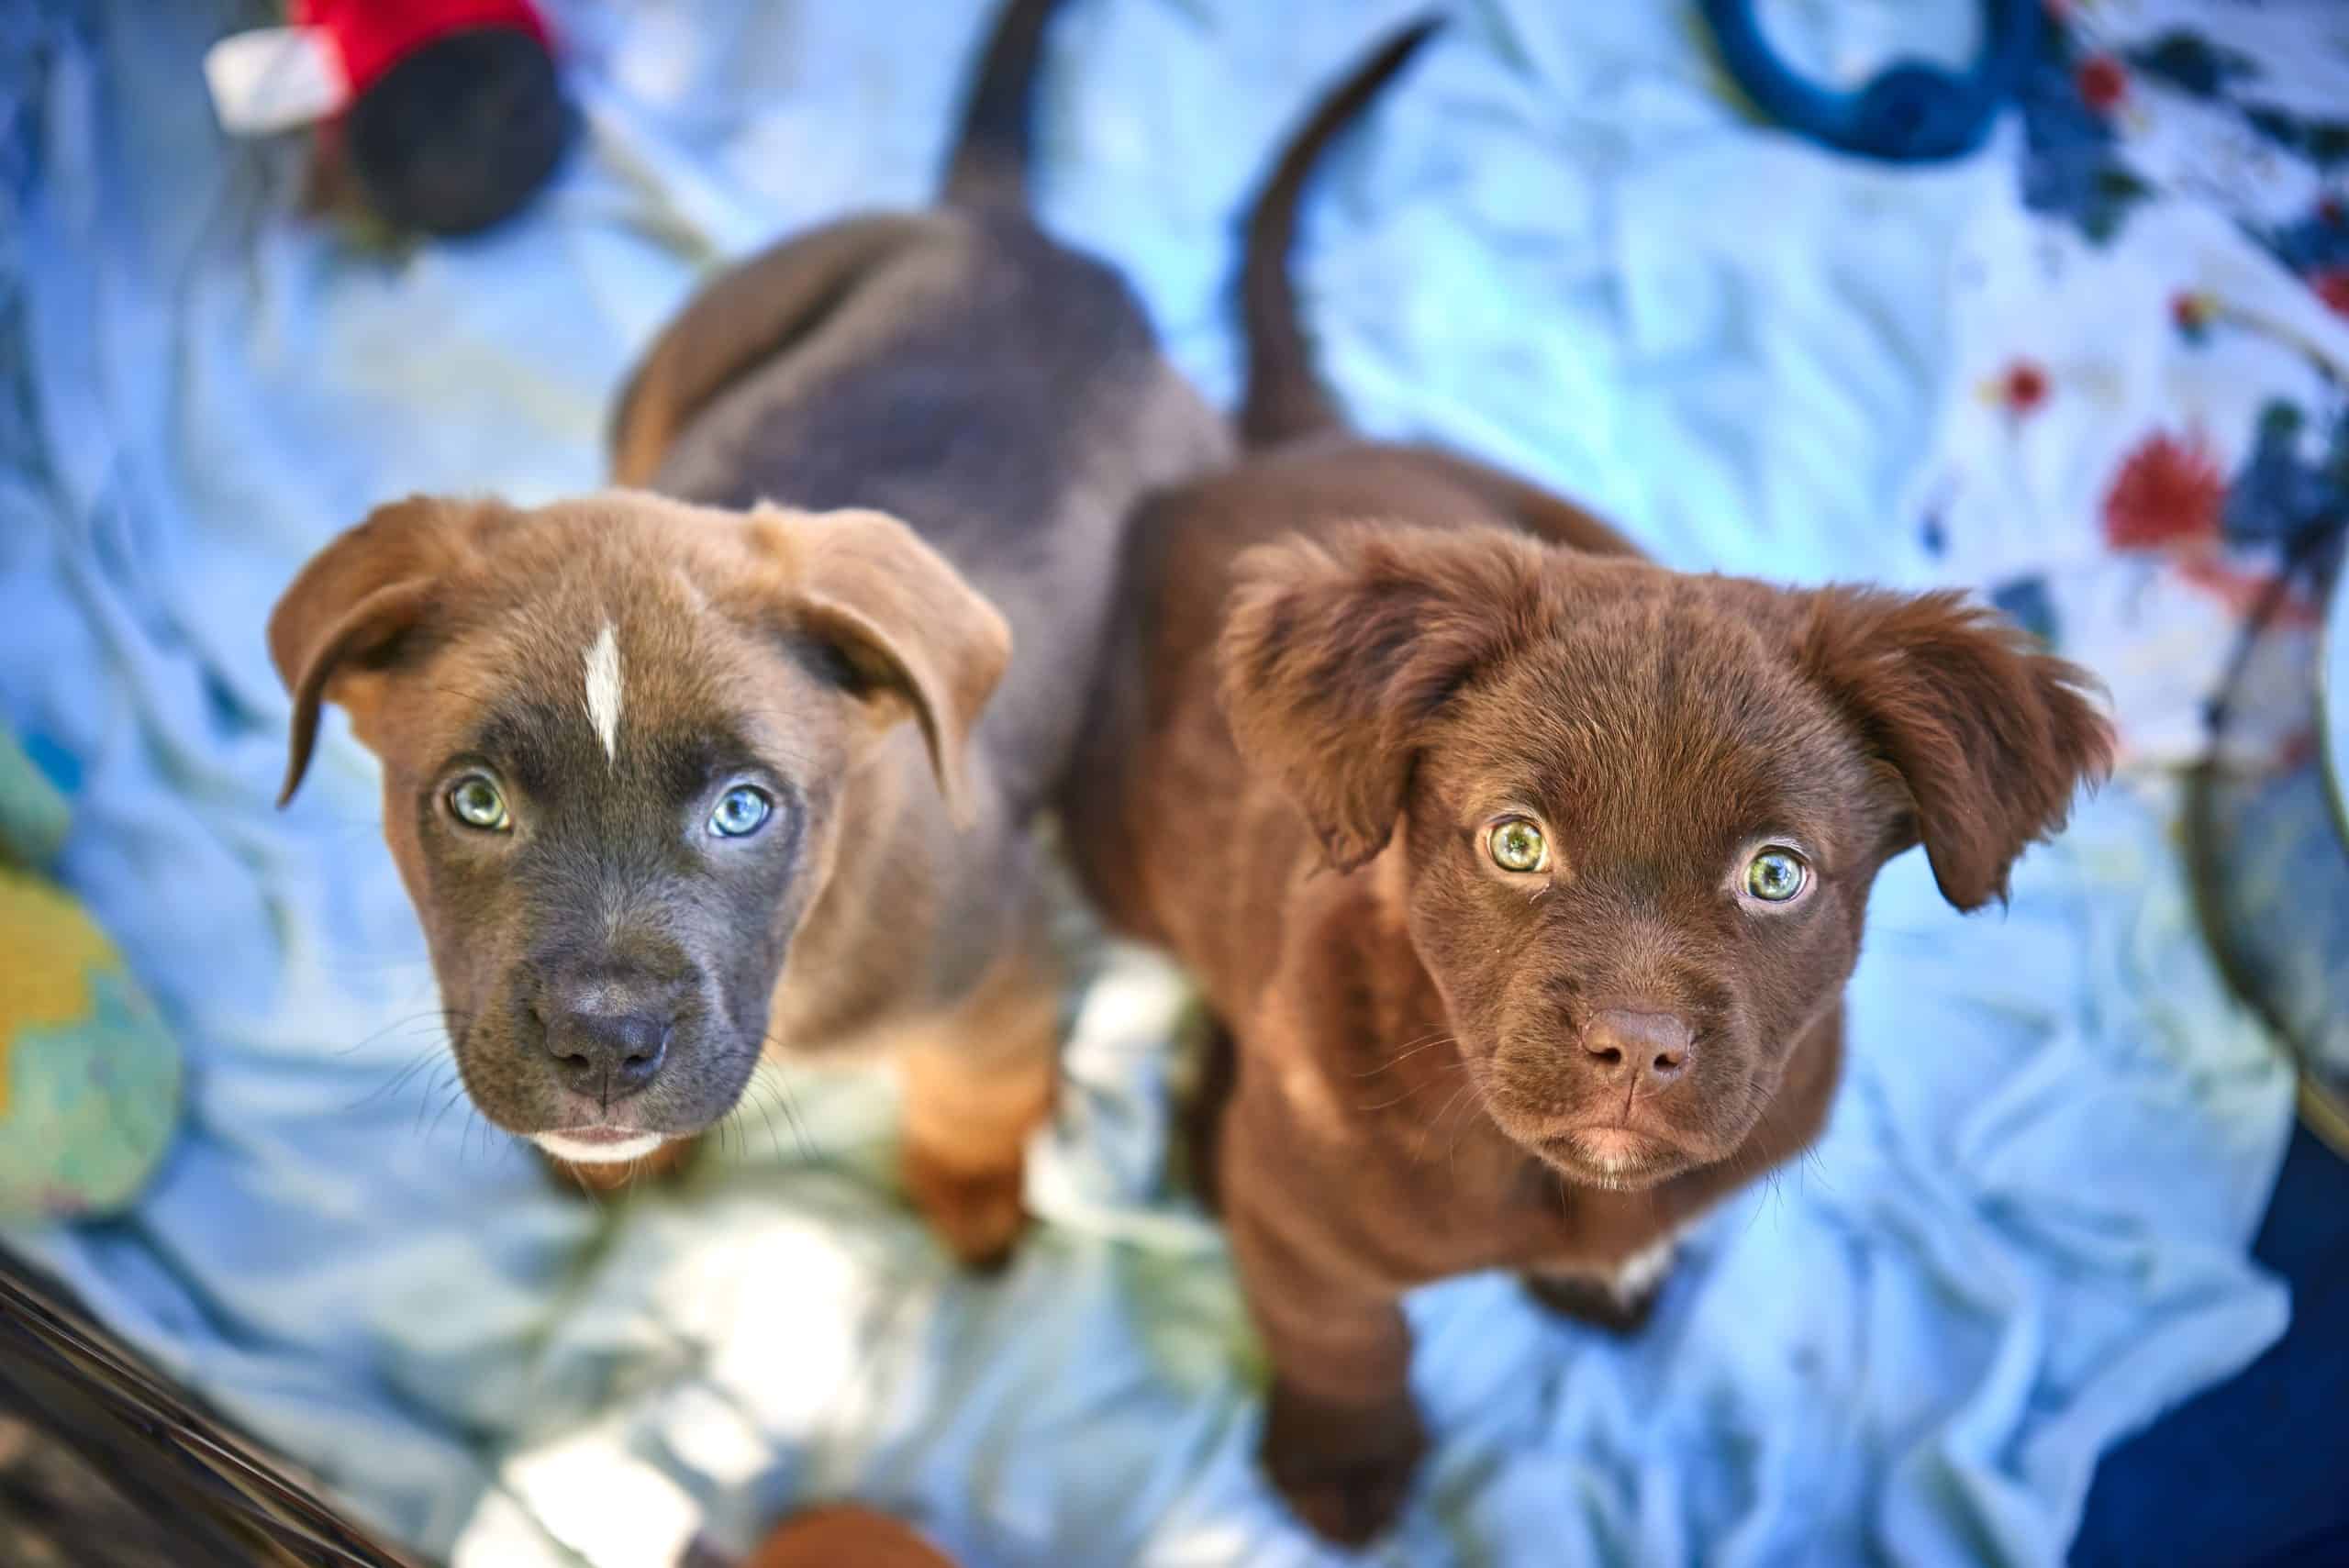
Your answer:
<point x="691" y="762"/>
<point x="516" y="739"/>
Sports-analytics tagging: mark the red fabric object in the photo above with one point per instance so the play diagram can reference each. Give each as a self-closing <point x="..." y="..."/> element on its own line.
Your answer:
<point x="2331" y="286"/>
<point x="2024" y="387"/>
<point x="2103" y="81"/>
<point x="372" y="36"/>
<point x="2168" y="493"/>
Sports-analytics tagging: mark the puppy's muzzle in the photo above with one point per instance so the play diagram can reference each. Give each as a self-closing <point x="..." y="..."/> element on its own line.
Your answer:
<point x="606" y="1030"/>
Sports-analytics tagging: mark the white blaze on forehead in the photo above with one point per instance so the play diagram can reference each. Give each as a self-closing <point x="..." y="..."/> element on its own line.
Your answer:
<point x="604" y="691"/>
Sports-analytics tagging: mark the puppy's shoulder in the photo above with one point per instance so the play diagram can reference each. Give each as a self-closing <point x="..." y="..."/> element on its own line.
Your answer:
<point x="1342" y="974"/>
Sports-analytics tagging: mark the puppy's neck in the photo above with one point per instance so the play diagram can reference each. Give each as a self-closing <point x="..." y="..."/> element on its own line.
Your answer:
<point x="885" y="916"/>
<point x="869" y="926"/>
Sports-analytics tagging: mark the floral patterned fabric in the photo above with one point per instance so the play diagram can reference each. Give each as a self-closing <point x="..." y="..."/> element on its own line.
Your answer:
<point x="2151" y="420"/>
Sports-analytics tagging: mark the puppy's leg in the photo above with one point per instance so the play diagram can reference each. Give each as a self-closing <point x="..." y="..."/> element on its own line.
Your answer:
<point x="843" y="1534"/>
<point x="1203" y="1116"/>
<point x="1343" y="1439"/>
<point x="976" y="1085"/>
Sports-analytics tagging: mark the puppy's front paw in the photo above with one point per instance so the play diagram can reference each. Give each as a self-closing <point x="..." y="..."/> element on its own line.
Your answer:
<point x="1346" y="1472"/>
<point x="979" y="1214"/>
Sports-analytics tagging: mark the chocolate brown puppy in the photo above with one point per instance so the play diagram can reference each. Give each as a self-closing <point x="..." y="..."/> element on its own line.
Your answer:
<point x="1523" y="876"/>
<point x="748" y="760"/>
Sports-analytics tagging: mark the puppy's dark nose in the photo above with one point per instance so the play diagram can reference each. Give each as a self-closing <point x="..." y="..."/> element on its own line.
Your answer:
<point x="1654" y="1048"/>
<point x="607" y="1033"/>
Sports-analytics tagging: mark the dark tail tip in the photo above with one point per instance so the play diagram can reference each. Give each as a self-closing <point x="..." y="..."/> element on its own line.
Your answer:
<point x="1284" y="399"/>
<point x="989" y="163"/>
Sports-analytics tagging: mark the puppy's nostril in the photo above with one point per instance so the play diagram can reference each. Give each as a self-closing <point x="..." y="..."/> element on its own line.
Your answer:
<point x="1656" y="1046"/>
<point x="607" y="1054"/>
<point x="643" y="1058"/>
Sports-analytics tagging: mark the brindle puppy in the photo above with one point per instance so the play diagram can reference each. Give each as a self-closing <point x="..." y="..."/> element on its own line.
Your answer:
<point x="1525" y="875"/>
<point x="645" y="769"/>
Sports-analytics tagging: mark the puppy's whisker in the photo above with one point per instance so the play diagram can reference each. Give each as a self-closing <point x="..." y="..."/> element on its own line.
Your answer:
<point x="1406" y="1052"/>
<point x="389" y="1089"/>
<point x="431" y="1017"/>
<point x="759" y="1097"/>
<point x="1452" y="1154"/>
<point x="771" y="1094"/>
<point x="1436" y="1123"/>
<point x="1436" y="1074"/>
<point x="769" y="1075"/>
<point x="455" y="1094"/>
<point x="474" y="1121"/>
<point x="432" y="1087"/>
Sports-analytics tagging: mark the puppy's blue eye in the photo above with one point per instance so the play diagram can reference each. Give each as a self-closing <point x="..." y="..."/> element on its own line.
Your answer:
<point x="739" y="812"/>
<point x="475" y="801"/>
<point x="1776" y="875"/>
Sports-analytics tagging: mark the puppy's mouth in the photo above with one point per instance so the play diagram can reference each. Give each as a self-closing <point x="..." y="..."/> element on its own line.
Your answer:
<point x="517" y="1084"/>
<point x="600" y="1145"/>
<point x="1617" y="1159"/>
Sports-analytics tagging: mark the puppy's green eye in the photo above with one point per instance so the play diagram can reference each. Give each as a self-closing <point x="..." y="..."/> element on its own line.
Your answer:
<point x="739" y="812"/>
<point x="1776" y="875"/>
<point x="474" y="801"/>
<point x="1516" y="844"/>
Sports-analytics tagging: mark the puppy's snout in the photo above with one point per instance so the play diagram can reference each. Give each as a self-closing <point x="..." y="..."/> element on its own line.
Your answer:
<point x="1654" y="1049"/>
<point x="606" y="1031"/>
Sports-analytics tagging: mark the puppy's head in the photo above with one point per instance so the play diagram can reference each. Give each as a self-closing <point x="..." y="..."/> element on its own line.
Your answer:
<point x="1639" y="812"/>
<point x="615" y="737"/>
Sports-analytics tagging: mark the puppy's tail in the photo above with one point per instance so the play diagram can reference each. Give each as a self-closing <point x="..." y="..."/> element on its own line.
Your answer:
<point x="989" y="164"/>
<point x="1284" y="399"/>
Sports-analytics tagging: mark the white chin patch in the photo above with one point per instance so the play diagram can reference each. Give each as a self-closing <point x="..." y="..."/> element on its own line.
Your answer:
<point x="581" y="1152"/>
<point x="1643" y="1270"/>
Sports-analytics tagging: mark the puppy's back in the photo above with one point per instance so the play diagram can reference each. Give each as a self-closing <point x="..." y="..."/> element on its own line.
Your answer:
<point x="1001" y="393"/>
<point x="1157" y="804"/>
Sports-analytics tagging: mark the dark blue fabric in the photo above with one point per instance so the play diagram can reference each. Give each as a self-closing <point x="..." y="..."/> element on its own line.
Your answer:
<point x="2255" y="1472"/>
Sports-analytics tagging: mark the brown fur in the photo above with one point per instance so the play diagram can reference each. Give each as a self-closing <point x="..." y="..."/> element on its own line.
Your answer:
<point x="1341" y="664"/>
<point x="609" y="963"/>
<point x="845" y="1537"/>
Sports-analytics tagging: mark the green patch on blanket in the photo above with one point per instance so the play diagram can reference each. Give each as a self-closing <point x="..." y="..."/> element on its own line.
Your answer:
<point x="89" y="1076"/>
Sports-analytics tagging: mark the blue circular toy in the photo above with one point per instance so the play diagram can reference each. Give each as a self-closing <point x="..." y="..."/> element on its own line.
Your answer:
<point x="1909" y="113"/>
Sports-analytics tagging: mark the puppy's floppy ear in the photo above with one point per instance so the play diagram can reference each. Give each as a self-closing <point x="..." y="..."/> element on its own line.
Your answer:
<point x="912" y="630"/>
<point x="1990" y="737"/>
<point x="1335" y="652"/>
<point x="335" y="630"/>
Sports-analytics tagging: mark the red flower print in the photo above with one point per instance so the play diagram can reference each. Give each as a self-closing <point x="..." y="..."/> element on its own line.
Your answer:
<point x="2023" y="387"/>
<point x="2168" y="492"/>
<point x="2102" y="82"/>
<point x="2190" y="311"/>
<point x="2331" y="286"/>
